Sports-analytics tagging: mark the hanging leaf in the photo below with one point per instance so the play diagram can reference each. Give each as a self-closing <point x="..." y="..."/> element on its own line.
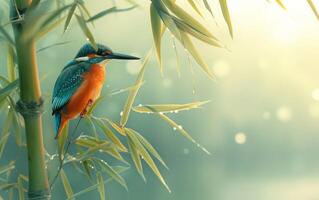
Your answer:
<point x="165" y="108"/>
<point x="145" y="155"/>
<point x="188" y="44"/>
<point x="86" y="30"/>
<point x="101" y="187"/>
<point x="135" y="157"/>
<point x="157" y="26"/>
<point x="52" y="45"/>
<point x="11" y="63"/>
<point x="7" y="168"/>
<point x="5" y="132"/>
<point x="47" y="29"/>
<point x="313" y="8"/>
<point x="93" y="187"/>
<point x="115" y="126"/>
<point x="187" y="18"/>
<point x="207" y="6"/>
<point x="279" y="2"/>
<point x="108" y="11"/>
<point x="20" y="189"/>
<point x="131" y="98"/>
<point x="149" y="147"/>
<point x="66" y="184"/>
<point x="224" y="7"/>
<point x="111" y="172"/>
<point x="4" y="92"/>
<point x="194" y="6"/>
<point x="181" y="130"/>
<point x="62" y="140"/>
<point x="108" y="133"/>
<point x="70" y="14"/>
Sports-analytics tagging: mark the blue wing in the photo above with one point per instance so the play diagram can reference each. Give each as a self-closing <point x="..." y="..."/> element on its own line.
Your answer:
<point x="67" y="83"/>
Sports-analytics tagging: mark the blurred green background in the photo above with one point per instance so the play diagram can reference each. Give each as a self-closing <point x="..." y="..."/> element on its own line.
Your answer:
<point x="261" y="125"/>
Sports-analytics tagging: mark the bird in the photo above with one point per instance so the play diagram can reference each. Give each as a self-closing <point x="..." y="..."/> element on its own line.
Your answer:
<point x="80" y="83"/>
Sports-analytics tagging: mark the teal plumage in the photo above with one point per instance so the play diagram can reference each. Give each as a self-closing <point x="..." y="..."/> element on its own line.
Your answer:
<point x="66" y="85"/>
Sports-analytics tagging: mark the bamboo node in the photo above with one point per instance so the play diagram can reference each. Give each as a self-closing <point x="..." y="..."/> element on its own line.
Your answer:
<point x="30" y="109"/>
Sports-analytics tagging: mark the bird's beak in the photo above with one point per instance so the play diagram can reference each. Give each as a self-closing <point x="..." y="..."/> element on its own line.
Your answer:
<point x="121" y="56"/>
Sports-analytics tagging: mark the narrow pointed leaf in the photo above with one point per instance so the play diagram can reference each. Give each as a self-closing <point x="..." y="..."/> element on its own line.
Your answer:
<point x="146" y="156"/>
<point x="207" y="6"/>
<point x="224" y="8"/>
<point x="313" y="8"/>
<point x="20" y="189"/>
<point x="10" y="63"/>
<point x="188" y="44"/>
<point x="86" y="30"/>
<point x="66" y="184"/>
<point x="4" y="92"/>
<point x="280" y="3"/>
<point x="114" y="125"/>
<point x="164" y="108"/>
<point x="149" y="147"/>
<point x="181" y="130"/>
<point x="5" y="132"/>
<point x="187" y="18"/>
<point x="131" y="98"/>
<point x="111" y="172"/>
<point x="135" y="157"/>
<point x="7" y="168"/>
<point x="157" y="33"/>
<point x="108" y="11"/>
<point x="101" y="187"/>
<point x="69" y="17"/>
<point x="108" y="133"/>
<point x="194" y="6"/>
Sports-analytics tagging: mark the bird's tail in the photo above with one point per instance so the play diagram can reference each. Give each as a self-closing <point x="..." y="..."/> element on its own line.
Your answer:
<point x="59" y="124"/>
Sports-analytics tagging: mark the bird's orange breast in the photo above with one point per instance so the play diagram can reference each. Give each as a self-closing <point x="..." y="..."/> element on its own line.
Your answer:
<point x="89" y="90"/>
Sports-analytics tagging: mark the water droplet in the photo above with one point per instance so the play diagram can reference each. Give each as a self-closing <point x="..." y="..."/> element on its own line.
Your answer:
<point x="87" y="39"/>
<point x="161" y="113"/>
<point x="176" y="111"/>
<point x="174" y="128"/>
<point x="240" y="138"/>
<point x="121" y="113"/>
<point x="139" y="105"/>
<point x="180" y="127"/>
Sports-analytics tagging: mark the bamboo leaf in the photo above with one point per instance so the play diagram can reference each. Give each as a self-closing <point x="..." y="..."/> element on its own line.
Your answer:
<point x="62" y="140"/>
<point x="108" y="11"/>
<point x="66" y="184"/>
<point x="93" y="187"/>
<point x="157" y="33"/>
<point x="170" y="24"/>
<point x="187" y="18"/>
<point x="20" y="189"/>
<point x="224" y="8"/>
<point x="145" y="155"/>
<point x="149" y="147"/>
<point x="101" y="187"/>
<point x="6" y="91"/>
<point x="45" y="30"/>
<point x="188" y="44"/>
<point x="86" y="30"/>
<point x="7" y="186"/>
<point x="7" y="168"/>
<point x="5" y="131"/>
<point x="116" y="127"/>
<point x="194" y="6"/>
<point x="11" y="63"/>
<point x="111" y="172"/>
<point x="135" y="157"/>
<point x="131" y="98"/>
<point x="313" y="8"/>
<point x="70" y="15"/>
<point x="207" y="6"/>
<point x="165" y="108"/>
<point x="181" y="130"/>
<point x="279" y="2"/>
<point x="108" y="133"/>
<point x="87" y="165"/>
<point x="186" y="28"/>
<point x="52" y="45"/>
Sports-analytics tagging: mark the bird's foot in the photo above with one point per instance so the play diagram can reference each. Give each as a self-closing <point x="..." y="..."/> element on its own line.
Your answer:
<point x="85" y="111"/>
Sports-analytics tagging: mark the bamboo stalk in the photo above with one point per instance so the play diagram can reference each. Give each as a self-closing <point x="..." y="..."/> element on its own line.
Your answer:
<point x="30" y="106"/>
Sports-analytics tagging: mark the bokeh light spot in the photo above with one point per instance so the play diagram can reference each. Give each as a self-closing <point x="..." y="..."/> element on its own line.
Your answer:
<point x="240" y="138"/>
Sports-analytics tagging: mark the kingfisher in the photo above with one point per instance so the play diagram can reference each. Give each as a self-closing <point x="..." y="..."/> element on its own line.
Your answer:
<point x="80" y="83"/>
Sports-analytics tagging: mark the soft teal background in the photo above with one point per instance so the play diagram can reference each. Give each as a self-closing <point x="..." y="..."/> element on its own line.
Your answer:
<point x="266" y="88"/>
